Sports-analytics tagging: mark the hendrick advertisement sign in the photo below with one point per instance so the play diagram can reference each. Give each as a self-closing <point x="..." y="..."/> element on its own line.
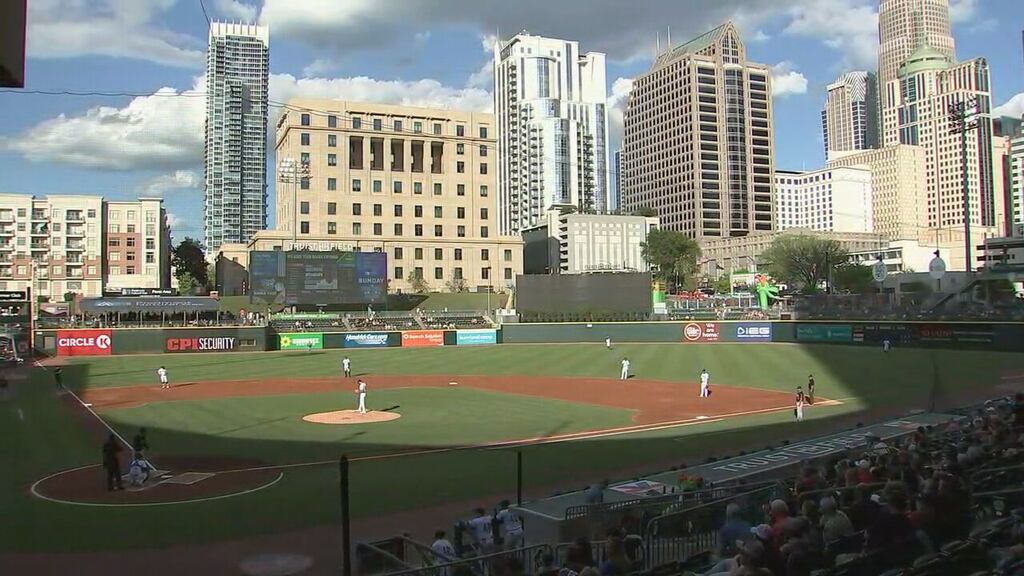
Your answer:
<point x="366" y="340"/>
<point x="84" y="343"/>
<point x="824" y="333"/>
<point x="701" y="332"/>
<point x="301" y="341"/>
<point x="215" y="344"/>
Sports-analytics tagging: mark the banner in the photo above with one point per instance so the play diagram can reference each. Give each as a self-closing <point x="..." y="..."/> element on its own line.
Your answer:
<point x="366" y="340"/>
<point x="83" y="343"/>
<point x="422" y="338"/>
<point x="955" y="334"/>
<point x="476" y="337"/>
<point x="216" y="344"/>
<point x="301" y="341"/>
<point x="753" y="332"/>
<point x="701" y="332"/>
<point x="824" y="333"/>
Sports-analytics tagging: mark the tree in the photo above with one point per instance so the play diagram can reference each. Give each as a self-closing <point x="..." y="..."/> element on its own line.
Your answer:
<point x="189" y="264"/>
<point x="803" y="261"/>
<point x="69" y="296"/>
<point x="723" y="285"/>
<point x="670" y="254"/>
<point x="458" y="284"/>
<point x="416" y="282"/>
<point x="645" y="211"/>
<point x="853" y="278"/>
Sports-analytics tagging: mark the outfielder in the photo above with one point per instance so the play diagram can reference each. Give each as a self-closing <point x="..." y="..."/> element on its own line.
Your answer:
<point x="608" y="342"/>
<point x="798" y="411"/>
<point x="162" y="373"/>
<point x="361" y="391"/>
<point x="625" y="369"/>
<point x="346" y="366"/>
<point x="705" y="384"/>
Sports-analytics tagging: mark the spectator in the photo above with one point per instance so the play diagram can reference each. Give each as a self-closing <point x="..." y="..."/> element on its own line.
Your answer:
<point x="547" y="565"/>
<point x="834" y="522"/>
<point x="864" y="510"/>
<point x="891" y="527"/>
<point x="616" y="563"/>
<point x="778" y="513"/>
<point x="733" y="531"/>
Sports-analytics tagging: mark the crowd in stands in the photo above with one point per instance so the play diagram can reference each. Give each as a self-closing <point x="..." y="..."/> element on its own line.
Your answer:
<point x="146" y="319"/>
<point x="382" y="321"/>
<point x="933" y="503"/>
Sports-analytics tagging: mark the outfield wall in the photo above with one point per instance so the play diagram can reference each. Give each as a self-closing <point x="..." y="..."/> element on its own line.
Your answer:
<point x="117" y="341"/>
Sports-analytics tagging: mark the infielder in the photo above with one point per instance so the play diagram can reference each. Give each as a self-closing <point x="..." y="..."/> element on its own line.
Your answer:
<point x="162" y="373"/>
<point x="798" y="411"/>
<point x="361" y="391"/>
<point x="705" y="384"/>
<point x="346" y="366"/>
<point x="625" y="369"/>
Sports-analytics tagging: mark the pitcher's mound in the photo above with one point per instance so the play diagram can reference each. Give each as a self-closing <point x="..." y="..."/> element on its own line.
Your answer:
<point x="351" y="417"/>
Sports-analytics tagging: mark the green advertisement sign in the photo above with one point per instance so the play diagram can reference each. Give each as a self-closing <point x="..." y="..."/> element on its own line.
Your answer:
<point x="824" y="333"/>
<point x="301" y="341"/>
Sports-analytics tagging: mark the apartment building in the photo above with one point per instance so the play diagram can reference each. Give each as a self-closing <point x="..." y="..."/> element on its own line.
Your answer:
<point x="417" y="183"/>
<point x="698" y="144"/>
<point x="550" y="101"/>
<point x="903" y="26"/>
<point x="1015" y="206"/>
<point x="743" y="252"/>
<point x="898" y="188"/>
<point x="586" y="243"/>
<point x="82" y="244"/>
<point x="849" y="120"/>
<point x="832" y="199"/>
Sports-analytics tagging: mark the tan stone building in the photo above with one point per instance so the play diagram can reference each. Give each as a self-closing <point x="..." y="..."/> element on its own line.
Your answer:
<point x="82" y="244"/>
<point x="899" y="188"/>
<point x="417" y="183"/>
<point x="726" y="255"/>
<point x="698" y="142"/>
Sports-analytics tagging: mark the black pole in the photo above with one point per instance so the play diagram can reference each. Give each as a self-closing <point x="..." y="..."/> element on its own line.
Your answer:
<point x="519" y="478"/>
<point x="346" y="528"/>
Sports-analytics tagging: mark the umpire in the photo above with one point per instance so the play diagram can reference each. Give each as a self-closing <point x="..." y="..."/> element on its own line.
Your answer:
<point x="111" y="464"/>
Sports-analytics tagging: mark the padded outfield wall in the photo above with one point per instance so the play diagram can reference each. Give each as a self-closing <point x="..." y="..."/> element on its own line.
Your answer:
<point x="111" y="341"/>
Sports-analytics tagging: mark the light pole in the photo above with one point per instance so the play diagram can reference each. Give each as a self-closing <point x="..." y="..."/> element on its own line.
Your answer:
<point x="963" y="118"/>
<point x="291" y="171"/>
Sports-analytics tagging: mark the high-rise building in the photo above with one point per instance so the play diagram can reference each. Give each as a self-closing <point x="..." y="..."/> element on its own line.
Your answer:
<point x="235" y="154"/>
<point x="1016" y="205"/>
<point x="903" y="26"/>
<point x="898" y="188"/>
<point x="827" y="200"/>
<point x="927" y="84"/>
<point x="698" y="144"/>
<point x="615" y="198"/>
<point x="82" y="244"/>
<point x="416" y="183"/>
<point x="551" y="106"/>
<point x="587" y="243"/>
<point x="849" y="120"/>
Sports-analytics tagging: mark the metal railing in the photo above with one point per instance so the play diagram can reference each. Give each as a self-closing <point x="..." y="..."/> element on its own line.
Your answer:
<point x="490" y="564"/>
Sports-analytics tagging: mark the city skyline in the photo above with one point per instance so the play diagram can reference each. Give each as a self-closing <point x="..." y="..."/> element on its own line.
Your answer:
<point x="87" y="140"/>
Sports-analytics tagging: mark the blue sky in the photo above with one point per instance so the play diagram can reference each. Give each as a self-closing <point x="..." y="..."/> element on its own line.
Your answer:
<point x="419" y="52"/>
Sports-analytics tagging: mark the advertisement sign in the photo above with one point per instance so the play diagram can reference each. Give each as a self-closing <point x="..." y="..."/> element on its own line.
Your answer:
<point x="83" y="343"/>
<point x="701" y="332"/>
<point x="878" y="333"/>
<point x="476" y="337"/>
<point x="753" y="332"/>
<point x="421" y="338"/>
<point x="216" y="344"/>
<point x="824" y="333"/>
<point x="13" y="296"/>
<point x="366" y="340"/>
<point x="955" y="334"/>
<point x="301" y="341"/>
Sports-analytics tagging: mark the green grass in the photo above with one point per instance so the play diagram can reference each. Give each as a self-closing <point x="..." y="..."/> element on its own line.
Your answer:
<point x="41" y="436"/>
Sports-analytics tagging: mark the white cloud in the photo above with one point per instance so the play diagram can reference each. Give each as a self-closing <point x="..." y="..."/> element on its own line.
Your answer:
<point x="760" y="36"/>
<point x="848" y="26"/>
<point x="174" y="221"/>
<point x="426" y="92"/>
<point x="787" y="81"/>
<point x="963" y="10"/>
<point x="114" y="28"/>
<point x="421" y="38"/>
<point x="617" y="101"/>
<point x="482" y="78"/>
<point x="1013" y="107"/>
<point x="319" y="67"/>
<point x="177" y="180"/>
<point x="163" y="131"/>
<point x="235" y="10"/>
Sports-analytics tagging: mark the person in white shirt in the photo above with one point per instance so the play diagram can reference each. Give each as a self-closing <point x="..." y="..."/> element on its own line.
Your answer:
<point x="608" y="342"/>
<point x="361" y="391"/>
<point x="443" y="551"/>
<point x="162" y="373"/>
<point x="625" y="369"/>
<point x="482" y="530"/>
<point x="511" y="527"/>
<point x="705" y="384"/>
<point x="346" y="366"/>
<point x="139" y="470"/>
<point x="886" y="345"/>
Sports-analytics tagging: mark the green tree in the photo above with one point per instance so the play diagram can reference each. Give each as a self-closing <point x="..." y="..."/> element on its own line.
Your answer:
<point x="670" y="254"/>
<point x="853" y="278"/>
<point x="645" y="211"/>
<point x="416" y="282"/>
<point x="723" y="285"/>
<point x="456" y="285"/>
<point x="189" y="262"/>
<point x="69" y="296"/>
<point x="803" y="261"/>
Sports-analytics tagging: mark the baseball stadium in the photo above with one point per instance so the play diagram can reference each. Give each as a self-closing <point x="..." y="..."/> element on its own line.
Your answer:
<point x="182" y="435"/>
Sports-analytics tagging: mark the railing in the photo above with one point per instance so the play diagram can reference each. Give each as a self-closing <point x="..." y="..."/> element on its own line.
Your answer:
<point x="483" y="565"/>
<point x="661" y="503"/>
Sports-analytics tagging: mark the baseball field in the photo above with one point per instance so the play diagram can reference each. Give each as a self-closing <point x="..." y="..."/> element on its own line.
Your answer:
<point x="453" y="419"/>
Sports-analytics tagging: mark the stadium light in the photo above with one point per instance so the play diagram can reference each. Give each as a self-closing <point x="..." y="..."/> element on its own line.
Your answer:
<point x="964" y="118"/>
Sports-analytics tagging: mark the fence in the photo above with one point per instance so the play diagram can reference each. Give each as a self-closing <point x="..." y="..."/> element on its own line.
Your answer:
<point x="678" y="535"/>
<point x="493" y="564"/>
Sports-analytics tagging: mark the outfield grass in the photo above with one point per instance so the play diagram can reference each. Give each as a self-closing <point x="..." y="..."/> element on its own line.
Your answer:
<point x="41" y="437"/>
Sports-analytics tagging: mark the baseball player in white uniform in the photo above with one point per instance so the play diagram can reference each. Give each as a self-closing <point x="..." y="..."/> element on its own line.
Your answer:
<point x="346" y="367"/>
<point x="705" y="384"/>
<point x="886" y="345"/>
<point x="482" y="529"/>
<point x="608" y="342"/>
<point x="625" y="369"/>
<point x="511" y="527"/>
<point x="361" y="391"/>
<point x="162" y="373"/>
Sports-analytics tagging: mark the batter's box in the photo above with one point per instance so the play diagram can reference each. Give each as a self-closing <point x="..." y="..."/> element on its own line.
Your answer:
<point x="189" y="478"/>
